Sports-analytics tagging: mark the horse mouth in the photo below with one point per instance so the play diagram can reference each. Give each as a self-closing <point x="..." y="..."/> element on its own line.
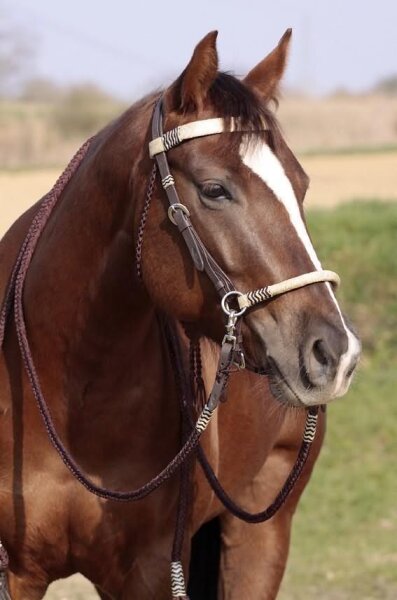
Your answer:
<point x="266" y="365"/>
<point x="280" y="387"/>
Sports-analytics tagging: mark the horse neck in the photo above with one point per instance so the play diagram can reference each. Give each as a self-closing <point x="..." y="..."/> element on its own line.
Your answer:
<point x="86" y="310"/>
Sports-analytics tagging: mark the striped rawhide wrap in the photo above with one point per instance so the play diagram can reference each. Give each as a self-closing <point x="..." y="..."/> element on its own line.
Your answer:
<point x="204" y="419"/>
<point x="257" y="296"/>
<point x="270" y="291"/>
<point x="310" y="427"/>
<point x="171" y="138"/>
<point x="178" y="585"/>
<point x="167" y="181"/>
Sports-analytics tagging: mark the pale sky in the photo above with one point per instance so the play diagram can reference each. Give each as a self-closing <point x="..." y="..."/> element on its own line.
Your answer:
<point x="129" y="47"/>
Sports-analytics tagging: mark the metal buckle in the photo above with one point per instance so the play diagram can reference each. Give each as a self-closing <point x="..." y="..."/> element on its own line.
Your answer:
<point x="230" y="329"/>
<point x="227" y="309"/>
<point x="231" y="339"/>
<point x="173" y="207"/>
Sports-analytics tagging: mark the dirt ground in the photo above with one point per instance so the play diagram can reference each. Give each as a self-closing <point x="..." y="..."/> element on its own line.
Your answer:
<point x="334" y="179"/>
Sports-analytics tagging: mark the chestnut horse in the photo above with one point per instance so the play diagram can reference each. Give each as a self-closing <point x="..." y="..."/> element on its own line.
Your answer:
<point x="105" y="368"/>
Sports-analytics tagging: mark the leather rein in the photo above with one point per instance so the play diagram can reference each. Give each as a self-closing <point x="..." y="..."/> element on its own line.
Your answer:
<point x="231" y="353"/>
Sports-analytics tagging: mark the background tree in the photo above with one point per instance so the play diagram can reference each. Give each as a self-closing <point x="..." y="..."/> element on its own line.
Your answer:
<point x="16" y="52"/>
<point x="388" y="85"/>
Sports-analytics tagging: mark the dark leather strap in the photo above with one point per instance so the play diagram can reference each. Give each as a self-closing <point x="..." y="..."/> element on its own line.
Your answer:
<point x="202" y="259"/>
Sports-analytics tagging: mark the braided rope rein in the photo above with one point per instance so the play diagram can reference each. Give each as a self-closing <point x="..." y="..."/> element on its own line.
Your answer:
<point x="142" y="223"/>
<point x="46" y="207"/>
<point x="289" y="484"/>
<point x="308" y="437"/>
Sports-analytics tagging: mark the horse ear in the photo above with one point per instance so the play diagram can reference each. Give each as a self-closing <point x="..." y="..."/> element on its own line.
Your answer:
<point x="189" y="91"/>
<point x="266" y="76"/>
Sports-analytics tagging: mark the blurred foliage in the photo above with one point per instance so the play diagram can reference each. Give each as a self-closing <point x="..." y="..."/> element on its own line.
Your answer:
<point x="83" y="110"/>
<point x="388" y="85"/>
<point x="16" y="51"/>
<point x="41" y="89"/>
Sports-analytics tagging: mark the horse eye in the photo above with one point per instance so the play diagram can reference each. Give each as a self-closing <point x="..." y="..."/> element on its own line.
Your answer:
<point x="214" y="191"/>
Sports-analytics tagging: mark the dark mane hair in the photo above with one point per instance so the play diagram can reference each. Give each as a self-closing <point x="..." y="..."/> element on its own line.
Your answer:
<point x="232" y="98"/>
<point x="229" y="97"/>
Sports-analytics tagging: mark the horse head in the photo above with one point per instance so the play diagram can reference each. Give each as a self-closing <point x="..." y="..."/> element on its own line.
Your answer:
<point x="244" y="190"/>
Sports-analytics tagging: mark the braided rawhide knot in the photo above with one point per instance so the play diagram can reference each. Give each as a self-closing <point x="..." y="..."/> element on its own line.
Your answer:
<point x="178" y="585"/>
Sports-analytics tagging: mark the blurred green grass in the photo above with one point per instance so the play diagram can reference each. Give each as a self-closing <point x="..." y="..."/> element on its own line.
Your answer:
<point x="344" y="543"/>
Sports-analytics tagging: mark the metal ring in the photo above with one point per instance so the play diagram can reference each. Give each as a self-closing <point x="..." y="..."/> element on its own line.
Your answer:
<point x="228" y="311"/>
<point x="173" y="208"/>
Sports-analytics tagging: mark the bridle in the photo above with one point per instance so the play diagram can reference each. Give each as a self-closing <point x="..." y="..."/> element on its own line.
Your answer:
<point x="179" y="215"/>
<point x="231" y="352"/>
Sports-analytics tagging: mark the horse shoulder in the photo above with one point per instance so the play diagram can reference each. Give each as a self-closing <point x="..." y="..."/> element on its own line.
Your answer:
<point x="11" y="243"/>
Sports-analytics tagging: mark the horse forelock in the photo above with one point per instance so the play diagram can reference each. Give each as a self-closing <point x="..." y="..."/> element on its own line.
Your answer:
<point x="231" y="97"/>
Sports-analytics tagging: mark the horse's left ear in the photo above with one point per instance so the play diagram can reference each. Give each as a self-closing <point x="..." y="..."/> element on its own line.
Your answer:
<point x="266" y="76"/>
<point x="189" y="91"/>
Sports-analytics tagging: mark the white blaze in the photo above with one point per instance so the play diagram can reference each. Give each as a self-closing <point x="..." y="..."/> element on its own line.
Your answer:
<point x="264" y="163"/>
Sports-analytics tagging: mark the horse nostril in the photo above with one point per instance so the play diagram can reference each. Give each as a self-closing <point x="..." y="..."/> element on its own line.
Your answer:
<point x="320" y="352"/>
<point x="328" y="355"/>
<point x="320" y="362"/>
